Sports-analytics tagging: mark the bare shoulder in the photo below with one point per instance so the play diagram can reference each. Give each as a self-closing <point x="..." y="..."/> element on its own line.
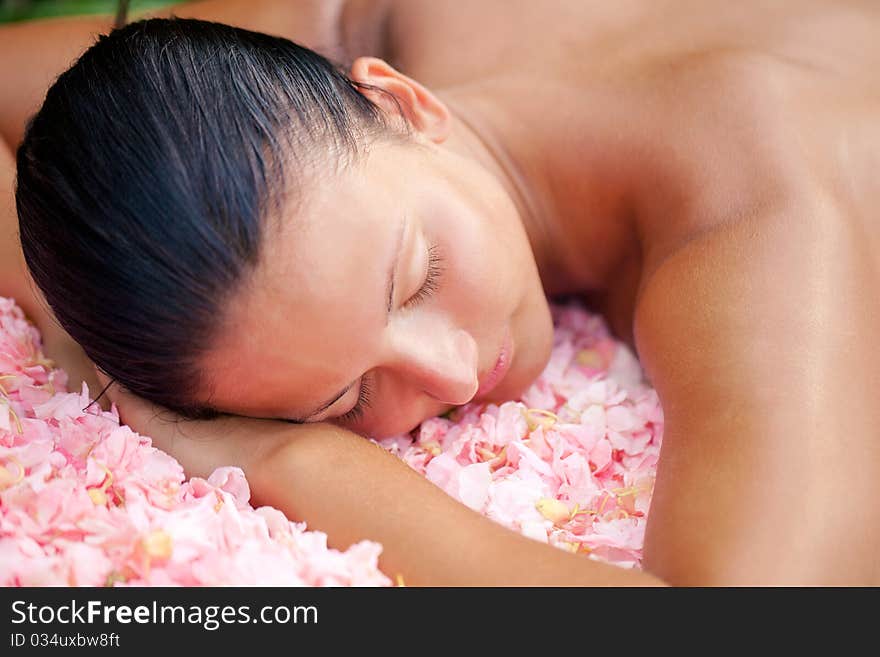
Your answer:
<point x="800" y="265"/>
<point x="758" y="336"/>
<point x="746" y="131"/>
<point x="448" y="43"/>
<point x="338" y="29"/>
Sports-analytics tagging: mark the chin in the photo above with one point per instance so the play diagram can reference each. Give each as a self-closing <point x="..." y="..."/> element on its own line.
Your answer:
<point x="532" y="355"/>
<point x="513" y="388"/>
<point x="524" y="370"/>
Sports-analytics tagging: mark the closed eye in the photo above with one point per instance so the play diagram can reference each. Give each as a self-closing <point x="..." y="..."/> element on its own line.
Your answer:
<point x="436" y="268"/>
<point x="365" y="398"/>
<point x="432" y="279"/>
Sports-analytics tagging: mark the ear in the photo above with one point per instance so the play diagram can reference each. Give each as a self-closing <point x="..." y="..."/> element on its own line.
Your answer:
<point x="424" y="111"/>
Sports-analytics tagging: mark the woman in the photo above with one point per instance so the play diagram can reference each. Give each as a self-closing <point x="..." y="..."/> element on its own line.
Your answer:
<point x="228" y="225"/>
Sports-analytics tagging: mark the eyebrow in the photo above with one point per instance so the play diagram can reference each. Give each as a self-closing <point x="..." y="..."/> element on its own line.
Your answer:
<point x="392" y="270"/>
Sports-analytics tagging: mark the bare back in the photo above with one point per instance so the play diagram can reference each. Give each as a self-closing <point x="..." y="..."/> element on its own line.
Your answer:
<point x="713" y="108"/>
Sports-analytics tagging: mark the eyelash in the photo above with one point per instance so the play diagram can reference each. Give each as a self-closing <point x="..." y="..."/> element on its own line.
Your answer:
<point x="435" y="269"/>
<point x="430" y="286"/>
<point x="365" y="397"/>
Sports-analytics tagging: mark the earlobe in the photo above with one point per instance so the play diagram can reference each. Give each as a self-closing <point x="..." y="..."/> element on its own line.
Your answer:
<point x="426" y="113"/>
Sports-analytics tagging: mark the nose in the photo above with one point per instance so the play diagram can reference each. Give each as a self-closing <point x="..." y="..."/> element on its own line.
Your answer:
<point x="440" y="359"/>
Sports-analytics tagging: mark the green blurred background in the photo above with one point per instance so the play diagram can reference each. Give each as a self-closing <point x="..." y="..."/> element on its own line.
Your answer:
<point x="21" y="10"/>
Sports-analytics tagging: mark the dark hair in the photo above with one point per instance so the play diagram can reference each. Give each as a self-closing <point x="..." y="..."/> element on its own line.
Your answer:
<point x="146" y="179"/>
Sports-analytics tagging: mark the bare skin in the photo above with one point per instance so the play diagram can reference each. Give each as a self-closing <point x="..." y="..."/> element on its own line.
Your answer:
<point x="704" y="175"/>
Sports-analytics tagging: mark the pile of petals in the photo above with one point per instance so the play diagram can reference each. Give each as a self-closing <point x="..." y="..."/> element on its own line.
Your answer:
<point x="572" y="463"/>
<point x="85" y="501"/>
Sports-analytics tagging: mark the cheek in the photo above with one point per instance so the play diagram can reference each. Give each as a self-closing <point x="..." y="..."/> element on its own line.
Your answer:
<point x="399" y="409"/>
<point x="534" y="325"/>
<point x="494" y="244"/>
<point x="489" y="264"/>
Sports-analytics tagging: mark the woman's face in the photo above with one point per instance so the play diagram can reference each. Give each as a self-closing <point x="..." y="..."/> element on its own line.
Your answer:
<point x="314" y="319"/>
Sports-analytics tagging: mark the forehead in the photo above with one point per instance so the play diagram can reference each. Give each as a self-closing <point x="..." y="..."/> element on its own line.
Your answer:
<point x="306" y="316"/>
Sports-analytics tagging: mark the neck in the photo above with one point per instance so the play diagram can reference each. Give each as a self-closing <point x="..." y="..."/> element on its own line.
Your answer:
<point x="581" y="233"/>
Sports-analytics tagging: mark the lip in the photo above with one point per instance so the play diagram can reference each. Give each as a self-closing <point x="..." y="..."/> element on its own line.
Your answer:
<point x="491" y="379"/>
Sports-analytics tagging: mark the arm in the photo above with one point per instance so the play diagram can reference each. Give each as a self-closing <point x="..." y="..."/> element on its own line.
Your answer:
<point x="15" y="282"/>
<point x="14" y="279"/>
<point x="346" y="486"/>
<point x="760" y="337"/>
<point x="32" y="54"/>
<point x="351" y="489"/>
